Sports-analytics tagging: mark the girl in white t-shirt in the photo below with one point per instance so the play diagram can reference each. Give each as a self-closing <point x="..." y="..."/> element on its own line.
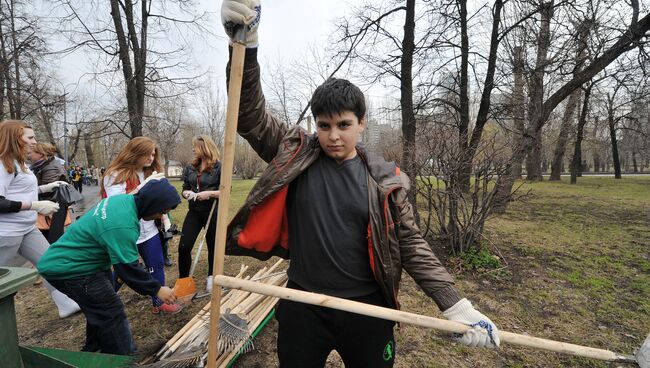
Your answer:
<point x="19" y="206"/>
<point x="135" y="162"/>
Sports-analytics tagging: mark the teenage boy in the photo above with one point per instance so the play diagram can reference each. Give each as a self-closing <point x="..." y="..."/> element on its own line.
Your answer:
<point x="340" y="215"/>
<point x="79" y="263"/>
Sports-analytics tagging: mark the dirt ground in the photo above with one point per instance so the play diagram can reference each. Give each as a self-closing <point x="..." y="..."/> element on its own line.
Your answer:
<point x="575" y="268"/>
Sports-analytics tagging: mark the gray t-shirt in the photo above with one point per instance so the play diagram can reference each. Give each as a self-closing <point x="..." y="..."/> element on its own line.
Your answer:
<point x="327" y="209"/>
<point x="20" y="187"/>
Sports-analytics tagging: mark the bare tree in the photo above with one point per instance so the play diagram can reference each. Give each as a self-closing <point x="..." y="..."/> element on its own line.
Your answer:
<point x="632" y="37"/>
<point x="124" y="42"/>
<point x="583" y="30"/>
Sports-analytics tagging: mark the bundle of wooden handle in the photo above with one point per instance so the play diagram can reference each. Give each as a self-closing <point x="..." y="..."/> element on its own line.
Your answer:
<point x="193" y="337"/>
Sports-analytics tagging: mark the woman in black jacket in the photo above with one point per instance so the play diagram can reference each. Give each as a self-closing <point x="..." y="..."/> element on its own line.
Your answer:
<point x="201" y="181"/>
<point x="48" y="168"/>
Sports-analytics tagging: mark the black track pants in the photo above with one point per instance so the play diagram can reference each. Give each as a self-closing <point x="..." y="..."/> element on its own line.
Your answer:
<point x="194" y="221"/>
<point x="308" y="333"/>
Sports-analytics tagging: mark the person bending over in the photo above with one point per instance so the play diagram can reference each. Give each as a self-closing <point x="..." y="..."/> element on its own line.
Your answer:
<point x="79" y="263"/>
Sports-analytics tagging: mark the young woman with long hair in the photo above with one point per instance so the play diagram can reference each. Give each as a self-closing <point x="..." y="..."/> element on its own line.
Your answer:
<point x="201" y="180"/>
<point x="48" y="168"/>
<point x="138" y="160"/>
<point x="19" y="205"/>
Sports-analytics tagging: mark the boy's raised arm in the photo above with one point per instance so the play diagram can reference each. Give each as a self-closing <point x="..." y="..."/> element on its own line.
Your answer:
<point x="262" y="130"/>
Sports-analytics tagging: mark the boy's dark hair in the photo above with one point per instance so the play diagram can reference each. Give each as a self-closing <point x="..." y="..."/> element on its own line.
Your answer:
<point x="335" y="96"/>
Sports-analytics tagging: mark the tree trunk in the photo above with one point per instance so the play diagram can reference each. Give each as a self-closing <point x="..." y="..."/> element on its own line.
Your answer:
<point x="90" y="154"/>
<point x="536" y="92"/>
<point x="406" y="102"/>
<point x="465" y="167"/>
<point x="612" y="136"/>
<point x="518" y="107"/>
<point x="467" y="156"/>
<point x="577" y="151"/>
<point x="534" y="158"/>
<point x="47" y="125"/>
<point x="131" y="80"/>
<point x="75" y="145"/>
<point x="18" y="104"/>
<point x="563" y="137"/>
<point x="6" y="71"/>
<point x="599" y="164"/>
<point x="635" y="168"/>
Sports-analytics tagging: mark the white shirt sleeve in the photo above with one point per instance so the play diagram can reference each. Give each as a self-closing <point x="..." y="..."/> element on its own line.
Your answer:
<point x="113" y="189"/>
<point x="5" y="179"/>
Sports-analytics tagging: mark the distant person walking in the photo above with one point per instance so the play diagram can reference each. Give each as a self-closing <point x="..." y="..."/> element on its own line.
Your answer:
<point x="19" y="205"/>
<point x="77" y="179"/>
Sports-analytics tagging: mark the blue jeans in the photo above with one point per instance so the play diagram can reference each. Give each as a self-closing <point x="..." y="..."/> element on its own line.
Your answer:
<point x="107" y="328"/>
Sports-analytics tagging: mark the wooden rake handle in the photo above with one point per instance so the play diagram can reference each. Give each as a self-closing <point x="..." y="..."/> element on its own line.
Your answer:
<point x="232" y="114"/>
<point x="415" y="319"/>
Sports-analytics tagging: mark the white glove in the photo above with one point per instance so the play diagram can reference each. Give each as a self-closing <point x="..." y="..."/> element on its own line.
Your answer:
<point x="48" y="188"/>
<point x="166" y="223"/>
<point x="484" y="332"/>
<point x="45" y="208"/>
<point x="235" y="13"/>
<point x="189" y="195"/>
<point x="154" y="176"/>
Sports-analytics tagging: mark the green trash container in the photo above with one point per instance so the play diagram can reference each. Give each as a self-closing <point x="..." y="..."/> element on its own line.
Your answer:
<point x="13" y="279"/>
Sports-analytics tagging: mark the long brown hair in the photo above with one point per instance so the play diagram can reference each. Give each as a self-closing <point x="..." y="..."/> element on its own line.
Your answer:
<point x="208" y="153"/>
<point x="45" y="149"/>
<point x="12" y="146"/>
<point x="124" y="166"/>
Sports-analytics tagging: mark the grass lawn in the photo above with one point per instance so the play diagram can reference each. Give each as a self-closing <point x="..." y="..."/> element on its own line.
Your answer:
<point x="577" y="269"/>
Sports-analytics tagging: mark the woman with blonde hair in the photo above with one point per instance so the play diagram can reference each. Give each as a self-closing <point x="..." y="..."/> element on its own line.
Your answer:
<point x="19" y="205"/>
<point x="138" y="160"/>
<point x="48" y="168"/>
<point x="201" y="180"/>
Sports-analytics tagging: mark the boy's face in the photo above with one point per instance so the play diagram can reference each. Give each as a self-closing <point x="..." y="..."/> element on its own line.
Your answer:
<point x="338" y="134"/>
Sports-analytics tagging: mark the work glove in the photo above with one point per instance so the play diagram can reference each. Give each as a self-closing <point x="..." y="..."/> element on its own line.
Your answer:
<point x="154" y="176"/>
<point x="237" y="13"/>
<point x="48" y="188"/>
<point x="167" y="224"/>
<point x="484" y="333"/>
<point x="45" y="208"/>
<point x="189" y="195"/>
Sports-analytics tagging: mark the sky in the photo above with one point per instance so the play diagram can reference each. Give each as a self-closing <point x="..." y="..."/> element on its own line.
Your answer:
<point x="287" y="28"/>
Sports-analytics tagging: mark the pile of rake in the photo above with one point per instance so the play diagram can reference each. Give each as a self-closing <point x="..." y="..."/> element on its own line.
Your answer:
<point x="189" y="347"/>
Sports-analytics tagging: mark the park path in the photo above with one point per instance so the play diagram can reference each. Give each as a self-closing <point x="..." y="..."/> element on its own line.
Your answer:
<point x="91" y="197"/>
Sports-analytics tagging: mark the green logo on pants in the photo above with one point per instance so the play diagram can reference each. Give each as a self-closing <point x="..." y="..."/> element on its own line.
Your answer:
<point x="388" y="351"/>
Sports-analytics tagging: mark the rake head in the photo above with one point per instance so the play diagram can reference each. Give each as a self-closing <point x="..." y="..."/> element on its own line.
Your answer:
<point x="233" y="331"/>
<point x="191" y="359"/>
<point x="643" y="354"/>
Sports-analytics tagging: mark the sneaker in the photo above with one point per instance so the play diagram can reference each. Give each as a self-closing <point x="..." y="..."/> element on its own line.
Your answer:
<point x="167" y="309"/>
<point x="208" y="284"/>
<point x="168" y="261"/>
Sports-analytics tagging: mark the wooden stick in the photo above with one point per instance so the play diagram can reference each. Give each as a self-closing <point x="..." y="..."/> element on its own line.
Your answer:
<point x="416" y="319"/>
<point x="232" y="114"/>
